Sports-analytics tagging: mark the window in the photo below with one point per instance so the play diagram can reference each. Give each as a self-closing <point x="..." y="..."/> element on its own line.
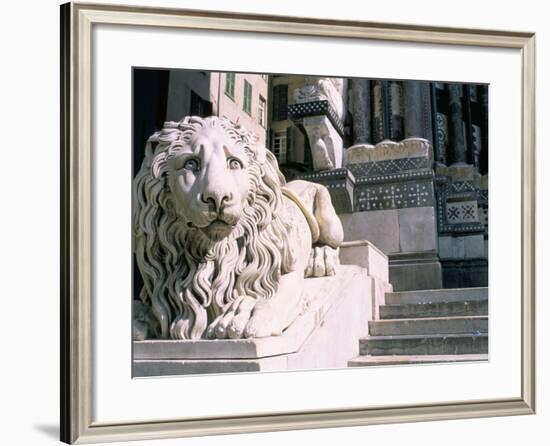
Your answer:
<point x="261" y="112"/>
<point x="200" y="106"/>
<point x="278" y="146"/>
<point x="247" y="100"/>
<point x="280" y="102"/>
<point x="230" y="85"/>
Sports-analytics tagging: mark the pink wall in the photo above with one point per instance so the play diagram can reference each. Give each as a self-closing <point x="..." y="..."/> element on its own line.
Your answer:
<point x="232" y="108"/>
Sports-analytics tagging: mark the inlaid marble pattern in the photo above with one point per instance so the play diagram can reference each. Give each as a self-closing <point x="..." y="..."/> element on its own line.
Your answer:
<point x="442" y="137"/>
<point x="462" y="212"/>
<point x="468" y="213"/>
<point x="393" y="196"/>
<point x="316" y="108"/>
<point x="461" y="186"/>
<point x="326" y="176"/>
<point x="386" y="167"/>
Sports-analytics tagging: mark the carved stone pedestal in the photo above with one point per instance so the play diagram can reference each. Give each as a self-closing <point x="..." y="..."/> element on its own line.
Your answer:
<point x="318" y="111"/>
<point x="325" y="335"/>
<point x="395" y="208"/>
<point x="340" y="184"/>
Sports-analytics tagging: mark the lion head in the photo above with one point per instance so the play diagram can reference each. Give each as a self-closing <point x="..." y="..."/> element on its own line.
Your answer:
<point x="207" y="226"/>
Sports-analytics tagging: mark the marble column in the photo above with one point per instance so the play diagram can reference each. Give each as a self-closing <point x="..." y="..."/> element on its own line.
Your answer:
<point x="361" y="111"/>
<point x="484" y="152"/>
<point x="413" y="109"/>
<point x="473" y="131"/>
<point x="379" y="122"/>
<point x="439" y="119"/>
<point x="457" y="153"/>
<point x="395" y="102"/>
<point x="417" y="110"/>
<point x="426" y="109"/>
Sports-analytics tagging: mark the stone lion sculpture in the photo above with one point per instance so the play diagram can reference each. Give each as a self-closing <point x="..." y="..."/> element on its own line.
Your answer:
<point x="222" y="243"/>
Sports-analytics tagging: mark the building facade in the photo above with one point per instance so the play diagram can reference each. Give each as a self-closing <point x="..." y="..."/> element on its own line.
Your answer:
<point x="169" y="95"/>
<point x="239" y="97"/>
<point x="406" y="163"/>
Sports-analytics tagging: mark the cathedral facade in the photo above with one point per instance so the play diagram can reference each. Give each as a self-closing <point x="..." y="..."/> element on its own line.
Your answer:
<point x="406" y="163"/>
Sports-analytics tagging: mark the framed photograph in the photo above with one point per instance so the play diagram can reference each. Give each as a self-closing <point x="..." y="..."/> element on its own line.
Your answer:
<point x="275" y="223"/>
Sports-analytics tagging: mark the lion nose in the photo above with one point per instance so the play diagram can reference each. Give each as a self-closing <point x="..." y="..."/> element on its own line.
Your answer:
<point x="216" y="199"/>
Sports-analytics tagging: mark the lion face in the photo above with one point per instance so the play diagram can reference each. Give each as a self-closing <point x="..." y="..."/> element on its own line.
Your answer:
<point x="209" y="181"/>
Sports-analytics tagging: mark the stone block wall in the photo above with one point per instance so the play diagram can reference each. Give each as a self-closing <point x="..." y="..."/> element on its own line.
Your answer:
<point x="462" y="203"/>
<point x="395" y="209"/>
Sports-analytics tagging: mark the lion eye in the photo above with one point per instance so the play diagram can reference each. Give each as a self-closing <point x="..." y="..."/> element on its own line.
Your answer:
<point x="191" y="164"/>
<point x="235" y="164"/>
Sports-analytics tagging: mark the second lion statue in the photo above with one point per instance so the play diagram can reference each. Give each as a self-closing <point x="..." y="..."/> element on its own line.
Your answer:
<point x="222" y="243"/>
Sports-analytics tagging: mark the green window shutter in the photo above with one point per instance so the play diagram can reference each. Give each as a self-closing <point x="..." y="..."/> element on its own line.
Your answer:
<point x="230" y="85"/>
<point x="247" y="102"/>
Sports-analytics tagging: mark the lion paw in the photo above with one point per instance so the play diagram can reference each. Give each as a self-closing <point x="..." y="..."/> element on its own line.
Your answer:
<point x="246" y="318"/>
<point x="322" y="262"/>
<point x="265" y="321"/>
<point x="232" y="322"/>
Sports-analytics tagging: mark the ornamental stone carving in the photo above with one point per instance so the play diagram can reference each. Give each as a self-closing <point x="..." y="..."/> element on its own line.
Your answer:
<point x="388" y="150"/>
<point x="323" y="88"/>
<point x="222" y="243"/>
<point x="325" y="142"/>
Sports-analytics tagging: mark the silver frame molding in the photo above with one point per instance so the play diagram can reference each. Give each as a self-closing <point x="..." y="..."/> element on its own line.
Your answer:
<point x="77" y="21"/>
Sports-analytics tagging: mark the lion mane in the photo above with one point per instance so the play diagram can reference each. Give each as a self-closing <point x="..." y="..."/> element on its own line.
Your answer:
<point x="188" y="279"/>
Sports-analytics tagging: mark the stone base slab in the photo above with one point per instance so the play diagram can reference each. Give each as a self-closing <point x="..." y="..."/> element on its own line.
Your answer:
<point x="325" y="335"/>
<point x="415" y="271"/>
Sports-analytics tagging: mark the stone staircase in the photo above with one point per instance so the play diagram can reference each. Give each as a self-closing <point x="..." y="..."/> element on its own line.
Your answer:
<point x="427" y="326"/>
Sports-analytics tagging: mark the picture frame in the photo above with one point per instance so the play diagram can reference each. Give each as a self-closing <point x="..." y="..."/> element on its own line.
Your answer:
<point x="77" y="232"/>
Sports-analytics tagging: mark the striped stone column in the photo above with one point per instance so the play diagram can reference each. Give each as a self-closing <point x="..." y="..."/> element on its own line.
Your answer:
<point x="361" y="111"/>
<point x="413" y="109"/>
<point x="379" y="121"/>
<point x="457" y="153"/>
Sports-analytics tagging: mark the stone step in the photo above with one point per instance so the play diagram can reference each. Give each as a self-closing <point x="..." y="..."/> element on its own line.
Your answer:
<point x="452" y="344"/>
<point x="436" y="325"/>
<point x="443" y="295"/>
<point x="372" y="361"/>
<point x="434" y="309"/>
